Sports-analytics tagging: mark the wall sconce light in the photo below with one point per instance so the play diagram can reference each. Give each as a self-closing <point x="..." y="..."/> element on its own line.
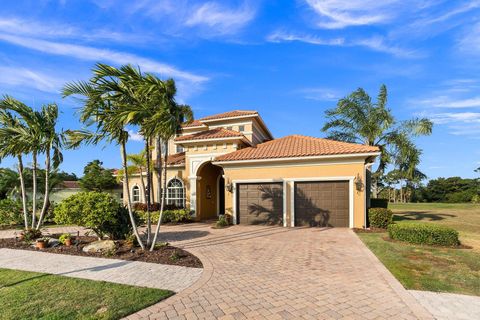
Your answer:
<point x="358" y="183"/>
<point x="229" y="186"/>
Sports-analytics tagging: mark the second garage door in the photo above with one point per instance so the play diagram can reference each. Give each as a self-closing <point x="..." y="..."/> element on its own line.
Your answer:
<point x="322" y="204"/>
<point x="260" y="203"/>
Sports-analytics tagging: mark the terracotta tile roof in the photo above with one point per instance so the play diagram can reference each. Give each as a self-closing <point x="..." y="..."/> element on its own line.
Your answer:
<point x="296" y="146"/>
<point x="177" y="158"/>
<point x="230" y="114"/>
<point x="194" y="123"/>
<point x="211" y="134"/>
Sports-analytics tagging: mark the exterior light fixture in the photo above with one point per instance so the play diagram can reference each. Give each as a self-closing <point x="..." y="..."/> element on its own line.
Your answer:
<point x="358" y="183"/>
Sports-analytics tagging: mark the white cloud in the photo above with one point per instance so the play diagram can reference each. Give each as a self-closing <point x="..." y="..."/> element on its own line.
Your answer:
<point x="19" y="76"/>
<point x="222" y="19"/>
<point x="470" y="41"/>
<point x="186" y="18"/>
<point x="449" y="102"/>
<point x="95" y="54"/>
<point x="320" y="94"/>
<point x="375" y="43"/>
<point x="135" y="136"/>
<point x="337" y="14"/>
<point x="32" y="28"/>
<point x="460" y="124"/>
<point x="280" y="36"/>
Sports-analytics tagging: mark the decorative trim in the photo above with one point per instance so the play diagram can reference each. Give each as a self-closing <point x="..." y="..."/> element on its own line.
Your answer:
<point x="348" y="155"/>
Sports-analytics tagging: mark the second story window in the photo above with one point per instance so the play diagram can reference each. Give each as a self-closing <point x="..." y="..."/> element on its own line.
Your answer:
<point x="241" y="128"/>
<point x="179" y="148"/>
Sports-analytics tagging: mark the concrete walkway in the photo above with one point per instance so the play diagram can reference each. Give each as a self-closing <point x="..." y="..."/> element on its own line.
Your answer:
<point x="448" y="306"/>
<point x="151" y="275"/>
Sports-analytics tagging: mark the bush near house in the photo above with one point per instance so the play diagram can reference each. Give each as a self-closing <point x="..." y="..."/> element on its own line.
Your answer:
<point x="99" y="211"/>
<point x="155" y="206"/>
<point x="175" y="216"/>
<point x="11" y="213"/>
<point x="424" y="233"/>
<point x="378" y="203"/>
<point x="380" y="217"/>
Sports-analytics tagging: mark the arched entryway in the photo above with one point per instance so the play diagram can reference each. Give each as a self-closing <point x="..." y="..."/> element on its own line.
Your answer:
<point x="210" y="192"/>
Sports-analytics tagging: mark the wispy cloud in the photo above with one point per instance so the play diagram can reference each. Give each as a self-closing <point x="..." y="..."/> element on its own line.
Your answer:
<point x="20" y="76"/>
<point x="449" y="102"/>
<point x="186" y="18"/>
<point x="458" y="123"/>
<point x="337" y="14"/>
<point x="223" y="19"/>
<point x="374" y="43"/>
<point x="320" y="94"/>
<point x="281" y="36"/>
<point x="96" y="54"/>
<point x="55" y="30"/>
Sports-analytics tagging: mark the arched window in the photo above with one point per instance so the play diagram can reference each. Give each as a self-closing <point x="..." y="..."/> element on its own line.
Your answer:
<point x="176" y="193"/>
<point x="135" y="194"/>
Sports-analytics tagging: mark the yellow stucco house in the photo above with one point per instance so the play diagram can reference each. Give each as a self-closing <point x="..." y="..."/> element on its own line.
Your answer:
<point x="229" y="163"/>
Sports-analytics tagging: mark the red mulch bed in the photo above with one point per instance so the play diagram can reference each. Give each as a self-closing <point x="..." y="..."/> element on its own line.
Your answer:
<point x="124" y="251"/>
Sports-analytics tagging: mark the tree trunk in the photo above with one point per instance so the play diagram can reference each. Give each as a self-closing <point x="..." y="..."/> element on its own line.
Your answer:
<point x="46" y="199"/>
<point x="159" y="168"/>
<point x="34" y="190"/>
<point x="22" y="187"/>
<point x="163" y="195"/>
<point x="129" y="201"/>
<point x="148" y="194"/>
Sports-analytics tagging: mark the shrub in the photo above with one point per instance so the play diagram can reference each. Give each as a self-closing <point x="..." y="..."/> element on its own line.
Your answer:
<point x="64" y="237"/>
<point x="476" y="198"/>
<point x="424" y="233"/>
<point x="222" y="222"/>
<point x="11" y="212"/>
<point x="378" y="203"/>
<point x="99" y="211"/>
<point x="30" y="234"/>
<point x="380" y="217"/>
<point x="460" y="197"/>
<point x="154" y="207"/>
<point x="175" y="216"/>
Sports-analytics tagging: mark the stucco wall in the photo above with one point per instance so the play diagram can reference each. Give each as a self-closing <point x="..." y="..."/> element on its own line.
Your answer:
<point x="290" y="171"/>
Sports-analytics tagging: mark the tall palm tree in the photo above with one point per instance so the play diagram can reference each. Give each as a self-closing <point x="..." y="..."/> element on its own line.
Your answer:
<point x="103" y="96"/>
<point x="31" y="135"/>
<point x="166" y="123"/>
<point x="359" y="120"/>
<point x="52" y="141"/>
<point x="14" y="142"/>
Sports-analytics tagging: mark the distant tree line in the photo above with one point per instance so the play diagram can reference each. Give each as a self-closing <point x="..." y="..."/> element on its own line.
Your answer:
<point x="452" y="190"/>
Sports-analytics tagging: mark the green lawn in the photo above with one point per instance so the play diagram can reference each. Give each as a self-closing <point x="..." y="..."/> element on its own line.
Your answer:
<point x="433" y="268"/>
<point x="30" y="295"/>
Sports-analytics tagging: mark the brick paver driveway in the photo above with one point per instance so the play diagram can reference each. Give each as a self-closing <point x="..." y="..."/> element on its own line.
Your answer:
<point x="254" y="272"/>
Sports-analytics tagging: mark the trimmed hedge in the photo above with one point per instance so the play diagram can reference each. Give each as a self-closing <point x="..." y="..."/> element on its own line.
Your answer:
<point x="378" y="203"/>
<point x="176" y="216"/>
<point x="424" y="233"/>
<point x="380" y="217"/>
<point x="155" y="206"/>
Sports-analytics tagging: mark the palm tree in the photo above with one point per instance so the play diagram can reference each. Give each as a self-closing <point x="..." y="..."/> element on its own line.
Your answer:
<point x="31" y="135"/>
<point x="166" y="123"/>
<point x="357" y="119"/>
<point x="14" y="142"/>
<point x="51" y="141"/>
<point x="103" y="96"/>
<point x="407" y="160"/>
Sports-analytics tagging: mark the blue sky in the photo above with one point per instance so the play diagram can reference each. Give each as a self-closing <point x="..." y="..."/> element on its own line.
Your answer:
<point x="290" y="60"/>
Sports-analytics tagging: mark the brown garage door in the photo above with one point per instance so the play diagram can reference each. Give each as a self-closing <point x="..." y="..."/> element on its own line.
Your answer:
<point x="260" y="203"/>
<point x="321" y="204"/>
